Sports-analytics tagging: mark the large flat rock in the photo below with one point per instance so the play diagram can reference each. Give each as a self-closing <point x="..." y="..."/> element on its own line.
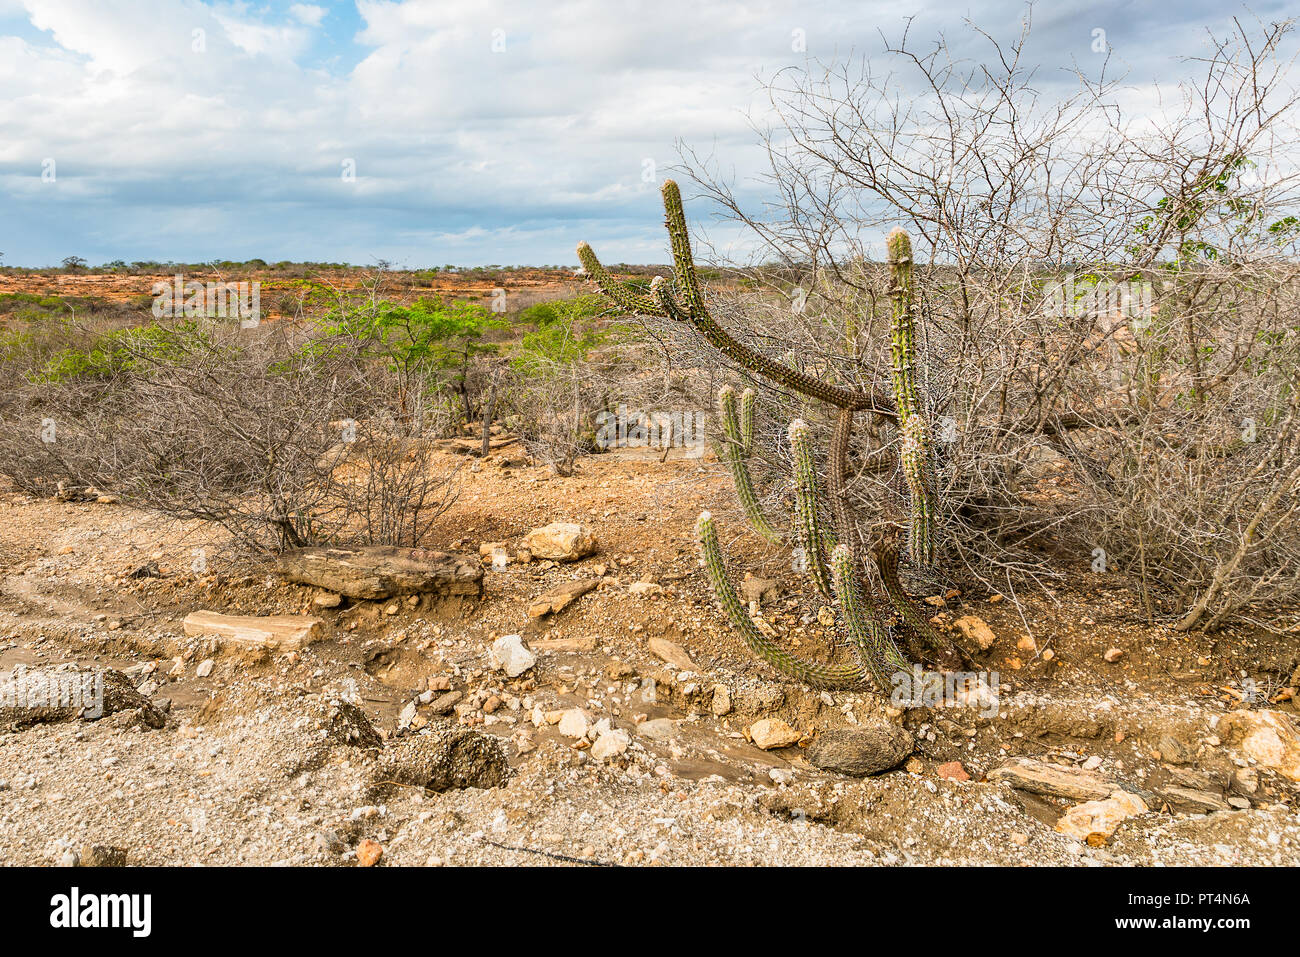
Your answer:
<point x="382" y="571"/>
<point x="269" y="632"/>
<point x="1053" y="780"/>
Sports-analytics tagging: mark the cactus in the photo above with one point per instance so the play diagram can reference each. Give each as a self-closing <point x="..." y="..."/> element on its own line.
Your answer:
<point x="834" y="560"/>
<point x="808" y="526"/>
<point x="740" y="438"/>
<point x="914" y="429"/>
<point x="809" y="672"/>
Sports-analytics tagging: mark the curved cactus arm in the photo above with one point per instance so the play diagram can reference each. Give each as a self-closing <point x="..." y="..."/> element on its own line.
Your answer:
<point x="808" y="526"/>
<point x="696" y="313"/>
<point x="734" y="454"/>
<point x="616" y="291"/>
<point x="662" y="291"/>
<point x="912" y="615"/>
<point x="811" y="673"/>
<point x="914" y="429"/>
<point x="747" y="421"/>
<point x="875" y="648"/>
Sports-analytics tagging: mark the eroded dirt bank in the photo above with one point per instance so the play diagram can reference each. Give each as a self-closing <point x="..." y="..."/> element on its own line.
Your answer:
<point x="359" y="746"/>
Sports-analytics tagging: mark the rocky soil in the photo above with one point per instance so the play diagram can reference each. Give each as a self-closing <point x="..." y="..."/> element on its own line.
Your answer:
<point x="625" y="725"/>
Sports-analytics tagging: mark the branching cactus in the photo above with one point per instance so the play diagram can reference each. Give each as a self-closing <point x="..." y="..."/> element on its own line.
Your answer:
<point x="873" y="618"/>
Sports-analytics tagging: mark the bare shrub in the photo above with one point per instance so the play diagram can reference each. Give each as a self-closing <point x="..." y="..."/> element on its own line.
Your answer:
<point x="255" y="431"/>
<point x="1106" y="303"/>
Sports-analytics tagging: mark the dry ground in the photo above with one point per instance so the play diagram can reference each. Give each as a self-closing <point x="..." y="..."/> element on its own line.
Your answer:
<point x="240" y="774"/>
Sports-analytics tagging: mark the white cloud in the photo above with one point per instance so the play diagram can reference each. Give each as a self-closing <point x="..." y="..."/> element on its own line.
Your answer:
<point x="237" y="147"/>
<point x="308" y="14"/>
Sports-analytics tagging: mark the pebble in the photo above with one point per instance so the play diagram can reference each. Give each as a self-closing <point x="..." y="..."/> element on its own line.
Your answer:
<point x="369" y="852"/>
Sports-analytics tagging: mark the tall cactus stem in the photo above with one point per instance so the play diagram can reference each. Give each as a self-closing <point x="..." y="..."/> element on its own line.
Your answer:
<point x="876" y="649"/>
<point x="747" y="421"/>
<point x="808" y="525"/>
<point x="736" y="458"/>
<point x="913" y="425"/>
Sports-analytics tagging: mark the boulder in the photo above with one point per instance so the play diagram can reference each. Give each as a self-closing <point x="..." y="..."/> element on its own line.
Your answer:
<point x="861" y="751"/>
<point x="382" y="571"/>
<point x="561" y="541"/>
<point x="445" y="760"/>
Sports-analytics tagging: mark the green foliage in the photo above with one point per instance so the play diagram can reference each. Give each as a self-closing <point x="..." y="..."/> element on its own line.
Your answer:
<point x="430" y="334"/>
<point x="562" y="335"/>
<point x="117" y="352"/>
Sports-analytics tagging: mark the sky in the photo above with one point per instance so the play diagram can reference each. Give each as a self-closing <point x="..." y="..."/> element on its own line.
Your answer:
<point x="431" y="132"/>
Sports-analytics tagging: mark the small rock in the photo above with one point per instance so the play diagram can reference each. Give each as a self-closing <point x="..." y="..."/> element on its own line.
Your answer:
<point x="1052" y="780"/>
<point x="644" y="588"/>
<point x="1193" y="801"/>
<point x="721" y="703"/>
<point x="1113" y="655"/>
<point x="610" y="744"/>
<point x="1095" y="821"/>
<point x="102" y="855"/>
<point x="445" y="703"/>
<point x="976" y="630"/>
<point x="369" y="852"/>
<point x="205" y="668"/>
<point x="673" y="653"/>
<point x="509" y="654"/>
<point x="560" y="597"/>
<point x="574" y="723"/>
<point x="769" y="733"/>
<point x="561" y="541"/>
<point x="952" y="771"/>
<point x="657" y="729"/>
<point x="407" y="715"/>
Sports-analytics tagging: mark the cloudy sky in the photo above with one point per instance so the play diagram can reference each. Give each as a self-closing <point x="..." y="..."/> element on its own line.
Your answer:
<point x="437" y="131"/>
